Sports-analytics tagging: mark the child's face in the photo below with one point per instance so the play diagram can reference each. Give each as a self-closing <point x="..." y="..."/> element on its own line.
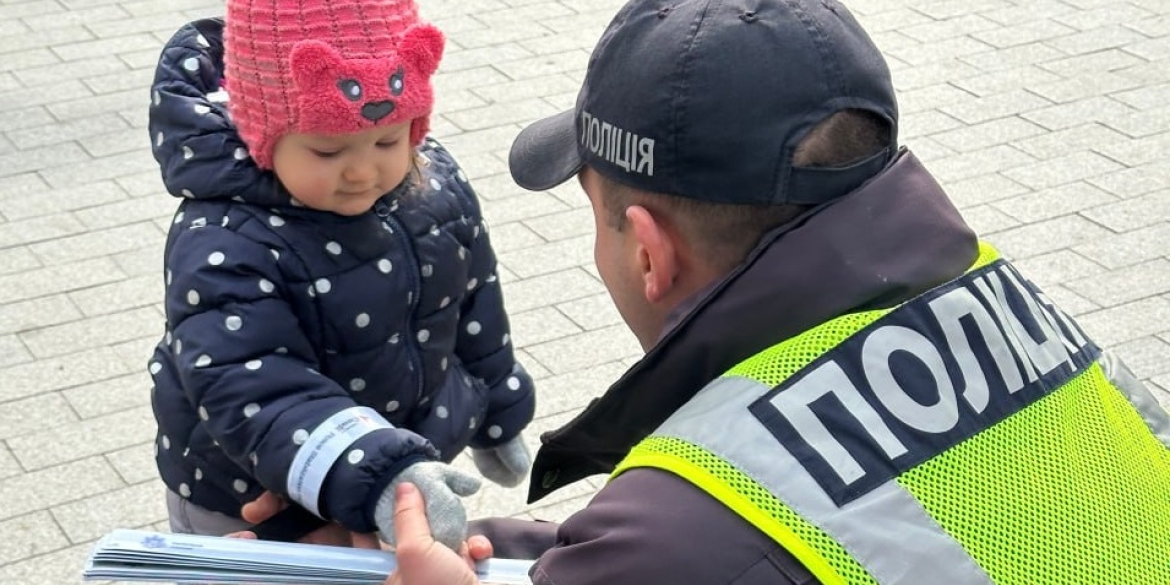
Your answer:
<point x="344" y="174"/>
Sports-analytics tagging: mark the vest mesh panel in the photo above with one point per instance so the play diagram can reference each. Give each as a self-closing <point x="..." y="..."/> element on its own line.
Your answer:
<point x="1073" y="489"/>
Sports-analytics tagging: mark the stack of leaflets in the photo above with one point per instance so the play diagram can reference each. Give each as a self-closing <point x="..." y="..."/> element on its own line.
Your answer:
<point x="136" y="555"/>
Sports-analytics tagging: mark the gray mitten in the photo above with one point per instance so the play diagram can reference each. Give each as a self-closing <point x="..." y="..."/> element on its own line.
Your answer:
<point x="441" y="486"/>
<point x="505" y="464"/>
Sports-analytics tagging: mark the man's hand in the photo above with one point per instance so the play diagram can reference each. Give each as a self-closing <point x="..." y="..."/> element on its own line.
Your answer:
<point x="333" y="534"/>
<point x="421" y="559"/>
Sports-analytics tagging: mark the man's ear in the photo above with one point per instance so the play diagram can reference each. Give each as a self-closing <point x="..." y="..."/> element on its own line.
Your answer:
<point x="658" y="260"/>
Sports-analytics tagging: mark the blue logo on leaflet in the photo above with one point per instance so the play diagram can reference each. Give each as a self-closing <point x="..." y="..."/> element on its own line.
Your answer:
<point x="154" y="542"/>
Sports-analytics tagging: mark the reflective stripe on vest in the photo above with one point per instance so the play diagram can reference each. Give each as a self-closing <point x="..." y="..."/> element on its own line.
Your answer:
<point x="996" y="452"/>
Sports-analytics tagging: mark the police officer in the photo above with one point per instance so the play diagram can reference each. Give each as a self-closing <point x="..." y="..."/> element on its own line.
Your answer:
<point x="841" y="383"/>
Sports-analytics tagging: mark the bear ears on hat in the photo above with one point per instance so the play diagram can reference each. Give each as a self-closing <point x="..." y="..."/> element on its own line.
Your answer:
<point x="420" y="46"/>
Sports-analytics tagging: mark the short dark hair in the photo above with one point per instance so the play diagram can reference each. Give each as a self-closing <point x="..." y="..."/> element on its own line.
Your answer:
<point x="726" y="233"/>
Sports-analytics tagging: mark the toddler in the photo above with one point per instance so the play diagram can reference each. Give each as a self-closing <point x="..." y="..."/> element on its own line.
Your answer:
<point x="334" y="324"/>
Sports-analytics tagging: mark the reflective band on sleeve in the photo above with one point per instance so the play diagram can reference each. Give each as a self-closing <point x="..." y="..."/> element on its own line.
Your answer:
<point x="323" y="448"/>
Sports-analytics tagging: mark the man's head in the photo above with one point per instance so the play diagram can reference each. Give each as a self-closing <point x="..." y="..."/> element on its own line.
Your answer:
<point x="703" y="124"/>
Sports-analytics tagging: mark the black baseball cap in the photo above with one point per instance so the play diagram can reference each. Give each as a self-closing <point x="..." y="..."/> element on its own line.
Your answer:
<point x="708" y="99"/>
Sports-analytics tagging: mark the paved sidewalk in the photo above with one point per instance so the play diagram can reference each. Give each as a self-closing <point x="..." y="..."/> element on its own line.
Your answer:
<point x="1047" y="120"/>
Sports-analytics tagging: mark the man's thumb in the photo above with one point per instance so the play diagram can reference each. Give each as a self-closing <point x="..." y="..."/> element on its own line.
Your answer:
<point x="410" y="515"/>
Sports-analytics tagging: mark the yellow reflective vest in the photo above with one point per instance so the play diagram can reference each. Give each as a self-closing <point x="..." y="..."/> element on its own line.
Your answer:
<point x="972" y="435"/>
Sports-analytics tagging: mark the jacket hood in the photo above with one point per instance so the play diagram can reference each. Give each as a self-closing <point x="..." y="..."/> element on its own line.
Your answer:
<point x="197" y="147"/>
<point x="894" y="237"/>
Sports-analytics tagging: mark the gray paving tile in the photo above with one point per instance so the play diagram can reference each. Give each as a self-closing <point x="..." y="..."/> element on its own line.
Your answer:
<point x="53" y="202"/>
<point x="34" y="313"/>
<point x="549" y="289"/>
<point x="9" y="467"/>
<point x="130" y="507"/>
<point x="541" y="325"/>
<point x="1132" y="283"/>
<point x="983" y="189"/>
<point x="27" y="416"/>
<point x="1135" y="182"/>
<point x="1070" y="302"/>
<point x="1012" y="58"/>
<point x="1138" y="124"/>
<point x="1062" y="171"/>
<point x="997" y="158"/>
<point x="1116" y="325"/>
<point x="38" y="229"/>
<point x="110" y="396"/>
<point x="120" y="213"/>
<point x="552" y="257"/>
<point x="37" y="159"/>
<point x="1077" y="138"/>
<point x="1057" y="267"/>
<point x="40" y="490"/>
<point x="75" y="17"/>
<point x="588" y="349"/>
<point x="1067" y="115"/>
<point x="1031" y="31"/>
<point x="47" y="375"/>
<point x="1005" y="80"/>
<point x="559" y="226"/>
<point x="1114" y="13"/>
<point x="1047" y="236"/>
<point x="37" y="533"/>
<point x="1133" y="213"/>
<point x="84" y="439"/>
<point x="925" y="123"/>
<point x="135" y="464"/>
<point x="1084" y="86"/>
<point x="1108" y="60"/>
<point x="17" y="259"/>
<point x="1146" y="356"/>
<point x="13" y="351"/>
<point x="1120" y="250"/>
<point x="61" y="566"/>
<point x="987" y="134"/>
<point x="567" y="393"/>
<point x="93" y="244"/>
<point x="514" y="236"/>
<point x="103" y="330"/>
<point x="524" y="206"/>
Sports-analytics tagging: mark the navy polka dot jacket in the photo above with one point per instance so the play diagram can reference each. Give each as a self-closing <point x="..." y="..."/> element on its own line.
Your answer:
<point x="280" y="316"/>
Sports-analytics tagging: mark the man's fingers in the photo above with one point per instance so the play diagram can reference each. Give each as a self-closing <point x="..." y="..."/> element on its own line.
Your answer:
<point x="246" y="535"/>
<point x="479" y="547"/>
<point x="410" y="516"/>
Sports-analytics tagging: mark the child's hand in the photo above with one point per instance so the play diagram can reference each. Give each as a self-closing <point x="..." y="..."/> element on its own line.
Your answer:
<point x="505" y="464"/>
<point x="441" y="486"/>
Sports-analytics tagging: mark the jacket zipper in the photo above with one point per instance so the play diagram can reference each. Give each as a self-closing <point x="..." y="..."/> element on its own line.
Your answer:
<point x="385" y="213"/>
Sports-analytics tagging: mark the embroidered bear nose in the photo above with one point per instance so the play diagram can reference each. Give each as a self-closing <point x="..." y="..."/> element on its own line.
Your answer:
<point x="375" y="111"/>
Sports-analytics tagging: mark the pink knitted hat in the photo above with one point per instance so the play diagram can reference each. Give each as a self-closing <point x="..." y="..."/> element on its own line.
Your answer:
<point x="327" y="67"/>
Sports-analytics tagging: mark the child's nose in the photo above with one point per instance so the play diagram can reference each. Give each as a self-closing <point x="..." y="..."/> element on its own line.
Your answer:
<point x="361" y="173"/>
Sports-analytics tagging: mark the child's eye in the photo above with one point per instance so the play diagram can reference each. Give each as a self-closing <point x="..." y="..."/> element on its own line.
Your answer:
<point x="326" y="153"/>
<point x="388" y="144"/>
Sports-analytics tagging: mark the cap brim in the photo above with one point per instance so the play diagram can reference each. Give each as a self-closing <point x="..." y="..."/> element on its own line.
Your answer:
<point x="545" y="155"/>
